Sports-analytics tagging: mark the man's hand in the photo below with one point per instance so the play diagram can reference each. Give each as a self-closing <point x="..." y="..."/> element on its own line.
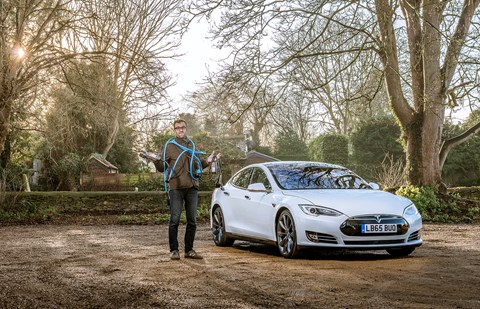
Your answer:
<point x="213" y="157"/>
<point x="149" y="155"/>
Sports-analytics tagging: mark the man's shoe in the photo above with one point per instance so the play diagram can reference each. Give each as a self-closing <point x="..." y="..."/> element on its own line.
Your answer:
<point x="193" y="255"/>
<point x="174" y="255"/>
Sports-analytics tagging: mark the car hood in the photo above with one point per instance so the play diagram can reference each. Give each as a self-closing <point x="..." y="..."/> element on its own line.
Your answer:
<point x="354" y="202"/>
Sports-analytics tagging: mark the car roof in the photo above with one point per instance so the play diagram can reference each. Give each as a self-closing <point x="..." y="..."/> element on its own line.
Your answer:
<point x="300" y="164"/>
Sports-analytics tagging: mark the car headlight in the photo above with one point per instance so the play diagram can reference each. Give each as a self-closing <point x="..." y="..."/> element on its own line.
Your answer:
<point x="410" y="211"/>
<point x="314" y="210"/>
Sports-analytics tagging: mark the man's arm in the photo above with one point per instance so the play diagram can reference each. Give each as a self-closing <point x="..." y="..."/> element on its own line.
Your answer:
<point x="159" y="165"/>
<point x="157" y="161"/>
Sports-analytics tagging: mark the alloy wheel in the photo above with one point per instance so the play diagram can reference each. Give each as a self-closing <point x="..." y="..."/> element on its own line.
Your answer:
<point x="218" y="229"/>
<point x="286" y="235"/>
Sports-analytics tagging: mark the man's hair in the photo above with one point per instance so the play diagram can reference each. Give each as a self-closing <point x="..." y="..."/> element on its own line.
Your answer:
<point x="179" y="121"/>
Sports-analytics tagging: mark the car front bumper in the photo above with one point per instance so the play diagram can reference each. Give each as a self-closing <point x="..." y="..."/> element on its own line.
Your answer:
<point x="326" y="232"/>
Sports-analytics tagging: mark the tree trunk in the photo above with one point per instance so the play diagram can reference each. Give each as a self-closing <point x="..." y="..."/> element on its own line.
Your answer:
<point x="257" y="128"/>
<point x="6" y="151"/>
<point x="7" y="96"/>
<point x="5" y="111"/>
<point x="423" y="142"/>
<point x="112" y="137"/>
<point x="422" y="120"/>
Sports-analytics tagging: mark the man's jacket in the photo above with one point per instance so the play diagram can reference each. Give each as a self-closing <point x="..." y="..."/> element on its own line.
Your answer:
<point x="181" y="178"/>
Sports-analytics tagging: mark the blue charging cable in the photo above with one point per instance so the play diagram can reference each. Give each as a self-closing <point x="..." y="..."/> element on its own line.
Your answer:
<point x="193" y="157"/>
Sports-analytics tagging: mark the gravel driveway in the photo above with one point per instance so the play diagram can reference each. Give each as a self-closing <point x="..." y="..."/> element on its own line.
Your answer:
<point x="114" y="266"/>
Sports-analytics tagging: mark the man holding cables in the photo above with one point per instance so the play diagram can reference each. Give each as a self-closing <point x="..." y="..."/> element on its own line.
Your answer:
<point x="182" y="169"/>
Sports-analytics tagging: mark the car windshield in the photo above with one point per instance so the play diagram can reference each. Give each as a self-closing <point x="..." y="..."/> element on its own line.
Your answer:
<point x="295" y="177"/>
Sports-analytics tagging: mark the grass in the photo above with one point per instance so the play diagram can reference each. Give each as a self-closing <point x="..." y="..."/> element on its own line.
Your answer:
<point x="160" y="218"/>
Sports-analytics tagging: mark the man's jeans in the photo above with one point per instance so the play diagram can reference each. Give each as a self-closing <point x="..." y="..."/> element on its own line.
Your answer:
<point x="178" y="198"/>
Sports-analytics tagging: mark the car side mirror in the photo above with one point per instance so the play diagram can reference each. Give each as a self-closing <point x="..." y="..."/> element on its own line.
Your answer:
<point x="374" y="186"/>
<point x="258" y="187"/>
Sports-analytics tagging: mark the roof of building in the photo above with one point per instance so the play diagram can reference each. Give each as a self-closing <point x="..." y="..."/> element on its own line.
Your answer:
<point x="267" y="158"/>
<point x="99" y="158"/>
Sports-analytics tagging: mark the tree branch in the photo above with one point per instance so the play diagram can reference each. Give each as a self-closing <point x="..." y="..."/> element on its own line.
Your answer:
<point x="411" y="10"/>
<point x="389" y="56"/>
<point x="457" y="41"/>
<point x="448" y="144"/>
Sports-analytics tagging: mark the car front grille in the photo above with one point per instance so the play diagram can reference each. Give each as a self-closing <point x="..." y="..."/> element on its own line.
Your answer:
<point x="374" y="242"/>
<point x="321" y="238"/>
<point x="353" y="225"/>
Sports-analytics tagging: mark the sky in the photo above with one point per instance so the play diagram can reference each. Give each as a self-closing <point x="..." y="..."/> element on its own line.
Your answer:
<point x="200" y="54"/>
<point x="190" y="69"/>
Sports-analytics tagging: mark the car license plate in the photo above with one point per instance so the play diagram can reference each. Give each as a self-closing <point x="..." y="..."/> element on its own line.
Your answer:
<point x="379" y="228"/>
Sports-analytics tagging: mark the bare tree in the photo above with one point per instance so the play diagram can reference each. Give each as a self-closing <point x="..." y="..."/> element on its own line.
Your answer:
<point x="434" y="68"/>
<point x="334" y="95"/>
<point x="131" y="36"/>
<point x="136" y="37"/>
<point x="328" y="96"/>
<point x="429" y="41"/>
<point x="30" y="31"/>
<point x="230" y="102"/>
<point x="346" y="87"/>
<point x="297" y="112"/>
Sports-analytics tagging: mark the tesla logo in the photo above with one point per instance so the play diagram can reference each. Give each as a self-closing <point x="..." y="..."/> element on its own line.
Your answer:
<point x="377" y="218"/>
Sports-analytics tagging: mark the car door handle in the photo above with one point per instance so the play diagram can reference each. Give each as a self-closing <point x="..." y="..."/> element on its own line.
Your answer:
<point x="226" y="193"/>
<point x="247" y="197"/>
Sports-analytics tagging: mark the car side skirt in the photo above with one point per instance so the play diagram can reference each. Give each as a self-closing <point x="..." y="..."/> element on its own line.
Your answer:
<point x="250" y="239"/>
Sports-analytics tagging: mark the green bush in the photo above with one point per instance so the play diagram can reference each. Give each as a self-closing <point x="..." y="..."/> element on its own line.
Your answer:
<point x="11" y="177"/>
<point x="289" y="146"/>
<point x="424" y="198"/>
<point x="150" y="207"/>
<point x="150" y="184"/>
<point x="471" y="193"/>
<point x="462" y="166"/>
<point x="25" y="211"/>
<point x="329" y="148"/>
<point x="314" y="152"/>
<point x="436" y="207"/>
<point x="375" y="140"/>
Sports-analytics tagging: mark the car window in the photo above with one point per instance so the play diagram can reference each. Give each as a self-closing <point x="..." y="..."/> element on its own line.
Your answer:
<point x="316" y="177"/>
<point x="242" y="178"/>
<point x="259" y="175"/>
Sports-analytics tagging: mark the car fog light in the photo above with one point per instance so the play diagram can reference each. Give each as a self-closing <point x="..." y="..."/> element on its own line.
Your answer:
<point x="312" y="236"/>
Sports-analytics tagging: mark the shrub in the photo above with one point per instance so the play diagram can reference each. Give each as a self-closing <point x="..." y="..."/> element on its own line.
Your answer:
<point x="150" y="184"/>
<point x="391" y="173"/>
<point x="423" y="197"/>
<point x="462" y="167"/>
<point x="11" y="177"/>
<point x="289" y="146"/>
<point x="436" y="207"/>
<point x="329" y="148"/>
<point x="373" y="141"/>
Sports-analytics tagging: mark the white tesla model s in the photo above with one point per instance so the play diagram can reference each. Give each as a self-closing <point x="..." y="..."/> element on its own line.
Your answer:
<point x="296" y="205"/>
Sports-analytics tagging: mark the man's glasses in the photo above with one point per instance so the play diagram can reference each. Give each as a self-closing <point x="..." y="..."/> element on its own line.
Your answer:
<point x="180" y="128"/>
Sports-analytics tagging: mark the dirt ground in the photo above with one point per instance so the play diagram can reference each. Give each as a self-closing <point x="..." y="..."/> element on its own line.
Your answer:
<point x="113" y="266"/>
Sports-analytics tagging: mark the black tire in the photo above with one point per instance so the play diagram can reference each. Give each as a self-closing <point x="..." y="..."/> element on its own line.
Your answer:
<point x="286" y="235"/>
<point x="400" y="252"/>
<point x="218" y="229"/>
